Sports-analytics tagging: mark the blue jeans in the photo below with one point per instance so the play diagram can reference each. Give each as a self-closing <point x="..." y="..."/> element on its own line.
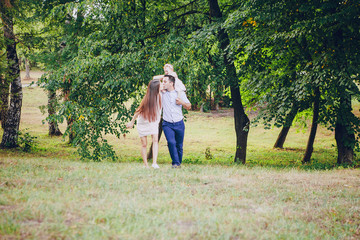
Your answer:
<point x="174" y="133"/>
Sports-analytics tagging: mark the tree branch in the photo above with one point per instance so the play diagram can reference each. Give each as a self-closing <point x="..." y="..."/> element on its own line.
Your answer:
<point x="162" y="26"/>
<point x="184" y="6"/>
<point x="181" y="15"/>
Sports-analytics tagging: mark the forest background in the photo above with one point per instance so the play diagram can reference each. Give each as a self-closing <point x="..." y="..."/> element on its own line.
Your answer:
<point x="273" y="85"/>
<point x="282" y="59"/>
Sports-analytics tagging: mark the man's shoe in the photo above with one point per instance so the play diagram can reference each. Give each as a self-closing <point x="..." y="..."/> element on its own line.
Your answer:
<point x="176" y="166"/>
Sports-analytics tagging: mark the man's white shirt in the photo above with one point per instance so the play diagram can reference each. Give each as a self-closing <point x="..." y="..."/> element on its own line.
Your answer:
<point x="172" y="112"/>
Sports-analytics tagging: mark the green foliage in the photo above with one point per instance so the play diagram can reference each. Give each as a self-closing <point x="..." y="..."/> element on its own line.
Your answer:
<point x="286" y="49"/>
<point x="208" y="155"/>
<point x="105" y="61"/>
<point x="100" y="55"/>
<point x="26" y="141"/>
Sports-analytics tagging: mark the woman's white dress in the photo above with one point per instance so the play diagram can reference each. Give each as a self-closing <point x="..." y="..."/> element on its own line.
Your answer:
<point x="146" y="128"/>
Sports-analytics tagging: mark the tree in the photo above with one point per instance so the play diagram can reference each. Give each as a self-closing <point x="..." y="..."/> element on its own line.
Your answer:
<point x="318" y="39"/>
<point x="310" y="144"/>
<point x="12" y="121"/>
<point x="113" y="54"/>
<point x="286" y="127"/>
<point x="240" y="117"/>
<point x="52" y="109"/>
<point x="4" y="87"/>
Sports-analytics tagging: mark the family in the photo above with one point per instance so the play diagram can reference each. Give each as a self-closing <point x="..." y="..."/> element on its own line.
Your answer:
<point x="166" y="94"/>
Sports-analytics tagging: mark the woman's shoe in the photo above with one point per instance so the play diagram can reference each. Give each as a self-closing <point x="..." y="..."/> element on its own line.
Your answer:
<point x="154" y="165"/>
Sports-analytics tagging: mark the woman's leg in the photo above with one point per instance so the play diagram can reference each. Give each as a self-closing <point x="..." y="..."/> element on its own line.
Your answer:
<point x="143" y="150"/>
<point x="155" y="148"/>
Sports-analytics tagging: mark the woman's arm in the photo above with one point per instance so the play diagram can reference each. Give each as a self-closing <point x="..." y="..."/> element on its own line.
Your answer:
<point x="131" y="123"/>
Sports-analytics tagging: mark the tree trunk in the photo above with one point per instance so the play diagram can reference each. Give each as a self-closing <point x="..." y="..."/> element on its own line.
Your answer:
<point x="241" y="125"/>
<point x="310" y="144"/>
<point x="344" y="137"/>
<point x="344" y="131"/>
<point x="149" y="156"/>
<point x="27" y="67"/>
<point x="53" y="126"/>
<point x="202" y="107"/>
<point x="345" y="153"/>
<point x="10" y="136"/>
<point x="240" y="118"/>
<point x="69" y="120"/>
<point x="286" y="127"/>
<point x="71" y="132"/>
<point x="4" y="100"/>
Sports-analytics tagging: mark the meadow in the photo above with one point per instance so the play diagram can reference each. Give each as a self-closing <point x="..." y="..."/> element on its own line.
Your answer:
<point x="50" y="194"/>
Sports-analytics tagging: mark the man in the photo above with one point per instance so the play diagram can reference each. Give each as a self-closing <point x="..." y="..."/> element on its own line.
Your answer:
<point x="169" y="70"/>
<point x="173" y="124"/>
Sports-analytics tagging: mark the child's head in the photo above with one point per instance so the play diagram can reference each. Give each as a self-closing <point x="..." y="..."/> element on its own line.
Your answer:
<point x="168" y="68"/>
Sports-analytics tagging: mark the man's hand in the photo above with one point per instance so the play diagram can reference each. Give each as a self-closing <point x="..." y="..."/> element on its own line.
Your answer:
<point x="179" y="101"/>
<point x="187" y="106"/>
<point x="158" y="77"/>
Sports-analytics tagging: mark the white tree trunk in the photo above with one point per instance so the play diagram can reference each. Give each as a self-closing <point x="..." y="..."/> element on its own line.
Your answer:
<point x="10" y="136"/>
<point x="27" y="67"/>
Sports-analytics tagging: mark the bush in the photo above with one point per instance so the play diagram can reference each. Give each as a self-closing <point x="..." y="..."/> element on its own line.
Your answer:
<point x="26" y="142"/>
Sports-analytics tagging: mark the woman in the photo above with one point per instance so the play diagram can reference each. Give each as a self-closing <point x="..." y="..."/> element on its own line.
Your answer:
<point x="148" y="118"/>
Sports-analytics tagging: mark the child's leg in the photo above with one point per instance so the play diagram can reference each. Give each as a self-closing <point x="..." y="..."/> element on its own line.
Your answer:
<point x="143" y="150"/>
<point x="179" y="93"/>
<point x="179" y="86"/>
<point x="155" y="147"/>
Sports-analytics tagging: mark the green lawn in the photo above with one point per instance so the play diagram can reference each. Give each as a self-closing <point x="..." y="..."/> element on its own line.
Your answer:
<point x="50" y="194"/>
<point x="45" y="198"/>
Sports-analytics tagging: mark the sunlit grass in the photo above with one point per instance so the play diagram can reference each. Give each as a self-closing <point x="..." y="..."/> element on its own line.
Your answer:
<point x="57" y="198"/>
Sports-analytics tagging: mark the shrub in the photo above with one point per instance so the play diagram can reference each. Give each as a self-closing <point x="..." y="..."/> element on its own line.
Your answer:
<point x="26" y="142"/>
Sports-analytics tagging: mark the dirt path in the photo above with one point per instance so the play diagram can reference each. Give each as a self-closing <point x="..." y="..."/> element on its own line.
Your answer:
<point x="34" y="77"/>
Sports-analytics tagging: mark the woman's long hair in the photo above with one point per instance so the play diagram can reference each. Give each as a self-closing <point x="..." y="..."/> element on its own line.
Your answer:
<point x="151" y="103"/>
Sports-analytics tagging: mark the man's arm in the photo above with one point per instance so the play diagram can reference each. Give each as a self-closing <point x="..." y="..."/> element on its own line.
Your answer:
<point x="187" y="106"/>
<point x="158" y="77"/>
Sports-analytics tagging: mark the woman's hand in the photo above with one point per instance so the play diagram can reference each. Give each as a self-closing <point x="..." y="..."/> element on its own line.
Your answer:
<point x="129" y="125"/>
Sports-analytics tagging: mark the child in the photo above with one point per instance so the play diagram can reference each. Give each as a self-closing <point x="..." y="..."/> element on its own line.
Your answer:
<point x="169" y="70"/>
<point x="148" y="118"/>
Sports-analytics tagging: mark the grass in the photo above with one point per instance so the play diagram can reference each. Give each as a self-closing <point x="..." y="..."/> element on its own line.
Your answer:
<point x="50" y="194"/>
<point x="55" y="198"/>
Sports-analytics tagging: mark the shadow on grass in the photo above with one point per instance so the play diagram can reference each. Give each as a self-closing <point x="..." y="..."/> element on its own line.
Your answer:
<point x="287" y="158"/>
<point x="323" y="159"/>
